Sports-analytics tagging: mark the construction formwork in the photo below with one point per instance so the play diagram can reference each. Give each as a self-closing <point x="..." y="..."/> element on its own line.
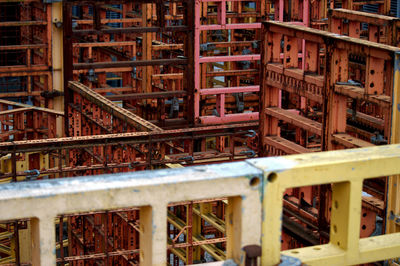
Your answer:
<point x="25" y="49"/>
<point x="30" y="69"/>
<point x="137" y="52"/>
<point x="190" y="222"/>
<point x="227" y="54"/>
<point x="86" y="233"/>
<point x="300" y="109"/>
<point x="138" y="73"/>
<point x="372" y="27"/>
<point x="340" y="99"/>
<point x="226" y="60"/>
<point x="145" y="82"/>
<point x="378" y="7"/>
<point x="158" y="148"/>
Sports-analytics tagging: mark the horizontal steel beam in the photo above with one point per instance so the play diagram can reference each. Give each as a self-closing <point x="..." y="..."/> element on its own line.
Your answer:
<point x="151" y="95"/>
<point x="107" y="105"/>
<point x="87" y="141"/>
<point x="155" y="62"/>
<point x="130" y="30"/>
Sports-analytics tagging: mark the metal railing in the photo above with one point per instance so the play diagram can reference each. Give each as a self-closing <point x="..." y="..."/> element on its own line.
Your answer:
<point x="254" y="189"/>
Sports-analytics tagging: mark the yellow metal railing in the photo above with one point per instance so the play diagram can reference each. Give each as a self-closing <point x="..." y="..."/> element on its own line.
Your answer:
<point x="152" y="191"/>
<point x="254" y="189"/>
<point x="346" y="170"/>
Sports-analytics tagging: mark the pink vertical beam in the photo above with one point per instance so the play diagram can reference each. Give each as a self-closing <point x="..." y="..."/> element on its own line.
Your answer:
<point x="280" y="18"/>
<point x="197" y="60"/>
<point x="222" y="21"/>
<point x="306" y="13"/>
<point x="221" y="18"/>
<point x="306" y="21"/>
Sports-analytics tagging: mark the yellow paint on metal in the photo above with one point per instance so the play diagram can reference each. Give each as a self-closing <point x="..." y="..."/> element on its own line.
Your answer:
<point x="346" y="170"/>
<point x="393" y="195"/>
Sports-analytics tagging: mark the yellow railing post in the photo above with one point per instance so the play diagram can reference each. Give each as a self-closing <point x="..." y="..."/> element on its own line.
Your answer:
<point x="271" y="219"/>
<point x="393" y="197"/>
<point x="346" y="216"/>
<point x="153" y="243"/>
<point x="233" y="223"/>
<point x="43" y="241"/>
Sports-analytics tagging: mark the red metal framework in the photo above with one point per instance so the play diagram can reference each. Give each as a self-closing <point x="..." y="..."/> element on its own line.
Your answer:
<point x="323" y="107"/>
<point x="87" y="234"/>
<point x="148" y="63"/>
<point x="135" y="71"/>
<point x="383" y="6"/>
<point x="25" y="51"/>
<point x="226" y="55"/>
<point x="93" y="114"/>
<point x="22" y="121"/>
<point x="375" y="28"/>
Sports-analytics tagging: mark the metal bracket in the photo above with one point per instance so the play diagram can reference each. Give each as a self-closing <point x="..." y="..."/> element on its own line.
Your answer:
<point x="174" y="107"/>
<point x="249" y="153"/>
<point x="187" y="158"/>
<point x="251" y="134"/>
<point x="32" y="174"/>
<point x="394" y="217"/>
<point x="206" y="47"/>
<point x="239" y="101"/>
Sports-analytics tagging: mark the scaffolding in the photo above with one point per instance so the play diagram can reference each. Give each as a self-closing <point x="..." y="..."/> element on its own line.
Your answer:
<point x="89" y="88"/>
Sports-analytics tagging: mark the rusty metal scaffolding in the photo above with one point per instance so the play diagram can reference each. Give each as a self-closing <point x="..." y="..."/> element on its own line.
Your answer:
<point x="226" y="60"/>
<point x="160" y="84"/>
<point x="25" y="50"/>
<point x="138" y="57"/>
<point x="340" y="99"/>
<point x="78" y="157"/>
<point x="27" y="72"/>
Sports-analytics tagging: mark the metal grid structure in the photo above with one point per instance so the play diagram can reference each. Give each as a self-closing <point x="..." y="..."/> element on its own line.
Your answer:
<point x="148" y="146"/>
<point x="226" y="60"/>
<point x="375" y="28"/>
<point x="117" y="56"/>
<point x="227" y="53"/>
<point x="138" y="58"/>
<point x="29" y="71"/>
<point x="323" y="108"/>
<point x="247" y="183"/>
<point x="25" y="49"/>
<point x="59" y="149"/>
<point x="378" y="7"/>
<point x="138" y="74"/>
